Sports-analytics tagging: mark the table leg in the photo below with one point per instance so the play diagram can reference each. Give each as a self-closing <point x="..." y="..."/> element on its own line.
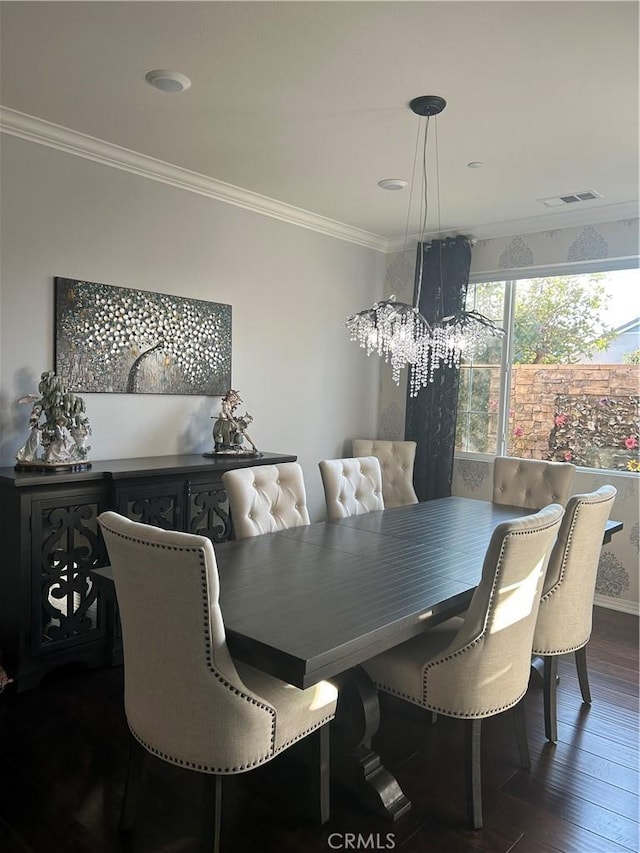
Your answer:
<point x="354" y="764"/>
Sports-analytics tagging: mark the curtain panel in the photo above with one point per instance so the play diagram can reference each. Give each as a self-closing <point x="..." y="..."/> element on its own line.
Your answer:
<point x="431" y="415"/>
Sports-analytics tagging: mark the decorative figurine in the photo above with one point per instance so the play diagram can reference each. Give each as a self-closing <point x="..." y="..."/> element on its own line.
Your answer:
<point x="230" y="429"/>
<point x="62" y="435"/>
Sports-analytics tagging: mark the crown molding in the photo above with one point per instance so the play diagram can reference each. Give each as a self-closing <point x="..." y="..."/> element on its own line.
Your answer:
<point x="61" y="138"/>
<point x="42" y="132"/>
<point x="596" y="215"/>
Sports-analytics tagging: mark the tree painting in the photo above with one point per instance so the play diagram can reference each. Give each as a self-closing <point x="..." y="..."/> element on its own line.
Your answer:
<point x="114" y="339"/>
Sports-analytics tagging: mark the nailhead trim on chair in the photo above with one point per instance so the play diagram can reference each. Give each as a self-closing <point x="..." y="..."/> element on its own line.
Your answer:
<point x="567" y="548"/>
<point x="474" y="642"/>
<point x="206" y="768"/>
<point x="448" y="713"/>
<point x="564" y="557"/>
<point x="480" y="636"/>
<point x="555" y="587"/>
<point x="474" y="715"/>
<point x="561" y="651"/>
<point x="216" y="673"/>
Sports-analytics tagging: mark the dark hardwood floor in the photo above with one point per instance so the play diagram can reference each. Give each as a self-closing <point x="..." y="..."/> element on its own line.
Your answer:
<point x="63" y="755"/>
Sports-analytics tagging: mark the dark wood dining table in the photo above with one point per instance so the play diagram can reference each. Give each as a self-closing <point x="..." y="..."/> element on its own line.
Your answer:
<point x="310" y="602"/>
<point x="314" y="602"/>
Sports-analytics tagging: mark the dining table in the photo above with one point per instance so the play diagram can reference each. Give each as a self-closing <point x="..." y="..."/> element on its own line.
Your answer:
<point x="314" y="602"/>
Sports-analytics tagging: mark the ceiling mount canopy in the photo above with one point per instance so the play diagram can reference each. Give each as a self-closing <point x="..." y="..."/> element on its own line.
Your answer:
<point x="427" y="105"/>
<point x="397" y="331"/>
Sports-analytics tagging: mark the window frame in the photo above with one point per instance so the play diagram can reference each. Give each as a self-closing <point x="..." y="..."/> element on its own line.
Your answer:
<point x="511" y="277"/>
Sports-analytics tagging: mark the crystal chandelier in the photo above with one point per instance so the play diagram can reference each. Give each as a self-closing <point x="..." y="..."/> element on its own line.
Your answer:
<point x="397" y="331"/>
<point x="394" y="330"/>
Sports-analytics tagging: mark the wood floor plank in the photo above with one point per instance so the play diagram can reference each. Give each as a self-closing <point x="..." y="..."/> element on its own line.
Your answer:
<point x="589" y="718"/>
<point x="526" y="844"/>
<point x="618" y="684"/>
<point x="63" y="754"/>
<point x="578" y="760"/>
<point x="617" y="750"/>
<point x="610" y="826"/>
<point x="556" y="775"/>
<point x="538" y="824"/>
<point x="602" y="695"/>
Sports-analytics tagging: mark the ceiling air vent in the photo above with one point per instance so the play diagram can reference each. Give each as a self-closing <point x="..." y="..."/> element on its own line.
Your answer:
<point x="569" y="198"/>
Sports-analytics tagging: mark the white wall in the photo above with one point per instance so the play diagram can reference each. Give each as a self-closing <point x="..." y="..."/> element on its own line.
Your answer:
<point x="308" y="387"/>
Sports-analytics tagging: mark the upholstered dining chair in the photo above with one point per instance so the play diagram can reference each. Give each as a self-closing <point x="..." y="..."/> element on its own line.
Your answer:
<point x="266" y="498"/>
<point x="477" y="666"/>
<point x="566" y="609"/>
<point x="351" y="486"/>
<point x="396" y="459"/>
<point x="531" y="483"/>
<point x="186" y="700"/>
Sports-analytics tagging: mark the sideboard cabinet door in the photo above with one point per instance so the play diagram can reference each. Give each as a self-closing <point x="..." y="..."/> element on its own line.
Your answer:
<point x="53" y="609"/>
<point x="158" y="503"/>
<point x="54" y="613"/>
<point x="207" y="510"/>
<point x="66" y="545"/>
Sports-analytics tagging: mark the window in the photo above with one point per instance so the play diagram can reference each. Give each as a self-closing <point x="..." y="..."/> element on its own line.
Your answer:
<point x="564" y="382"/>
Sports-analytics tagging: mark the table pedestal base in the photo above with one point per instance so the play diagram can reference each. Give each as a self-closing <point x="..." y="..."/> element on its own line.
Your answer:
<point x="354" y="764"/>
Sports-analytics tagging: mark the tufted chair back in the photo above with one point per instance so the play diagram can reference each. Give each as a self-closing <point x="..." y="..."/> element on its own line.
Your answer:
<point x="487" y="666"/>
<point x="266" y="498"/>
<point x="186" y="700"/>
<point x="479" y="666"/>
<point x="396" y="461"/>
<point x="531" y="483"/>
<point x="566" y="609"/>
<point x="564" y="621"/>
<point x="351" y="486"/>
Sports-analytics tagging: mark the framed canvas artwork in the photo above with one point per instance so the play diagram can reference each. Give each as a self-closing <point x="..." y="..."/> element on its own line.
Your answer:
<point x="118" y="340"/>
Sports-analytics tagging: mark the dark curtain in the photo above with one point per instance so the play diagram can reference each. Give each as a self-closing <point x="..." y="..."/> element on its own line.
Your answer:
<point x="431" y="416"/>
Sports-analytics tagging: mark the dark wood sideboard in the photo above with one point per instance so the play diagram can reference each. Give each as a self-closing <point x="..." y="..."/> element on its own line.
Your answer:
<point x="52" y="610"/>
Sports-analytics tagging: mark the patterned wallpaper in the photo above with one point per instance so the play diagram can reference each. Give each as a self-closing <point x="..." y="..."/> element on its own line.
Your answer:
<point x="542" y="249"/>
<point x="564" y="245"/>
<point x="617" y="584"/>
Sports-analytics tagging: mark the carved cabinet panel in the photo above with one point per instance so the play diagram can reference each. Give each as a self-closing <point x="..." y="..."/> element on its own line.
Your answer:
<point x="160" y="504"/>
<point x="53" y="609"/>
<point x="207" y="511"/>
<point x="68" y="605"/>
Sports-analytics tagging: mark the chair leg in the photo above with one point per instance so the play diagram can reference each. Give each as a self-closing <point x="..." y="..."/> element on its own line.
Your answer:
<point x="550" y="699"/>
<point x="520" y="727"/>
<point x="212" y="794"/>
<point x="583" y="678"/>
<point x="474" y="782"/>
<point x="132" y="784"/>
<point x="320" y="773"/>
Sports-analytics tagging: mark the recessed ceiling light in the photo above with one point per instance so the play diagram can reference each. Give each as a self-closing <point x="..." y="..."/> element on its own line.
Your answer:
<point x="392" y="184"/>
<point x="476" y="164"/>
<point x="167" y="81"/>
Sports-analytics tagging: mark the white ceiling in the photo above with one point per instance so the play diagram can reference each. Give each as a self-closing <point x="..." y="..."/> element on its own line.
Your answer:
<point x="306" y="102"/>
